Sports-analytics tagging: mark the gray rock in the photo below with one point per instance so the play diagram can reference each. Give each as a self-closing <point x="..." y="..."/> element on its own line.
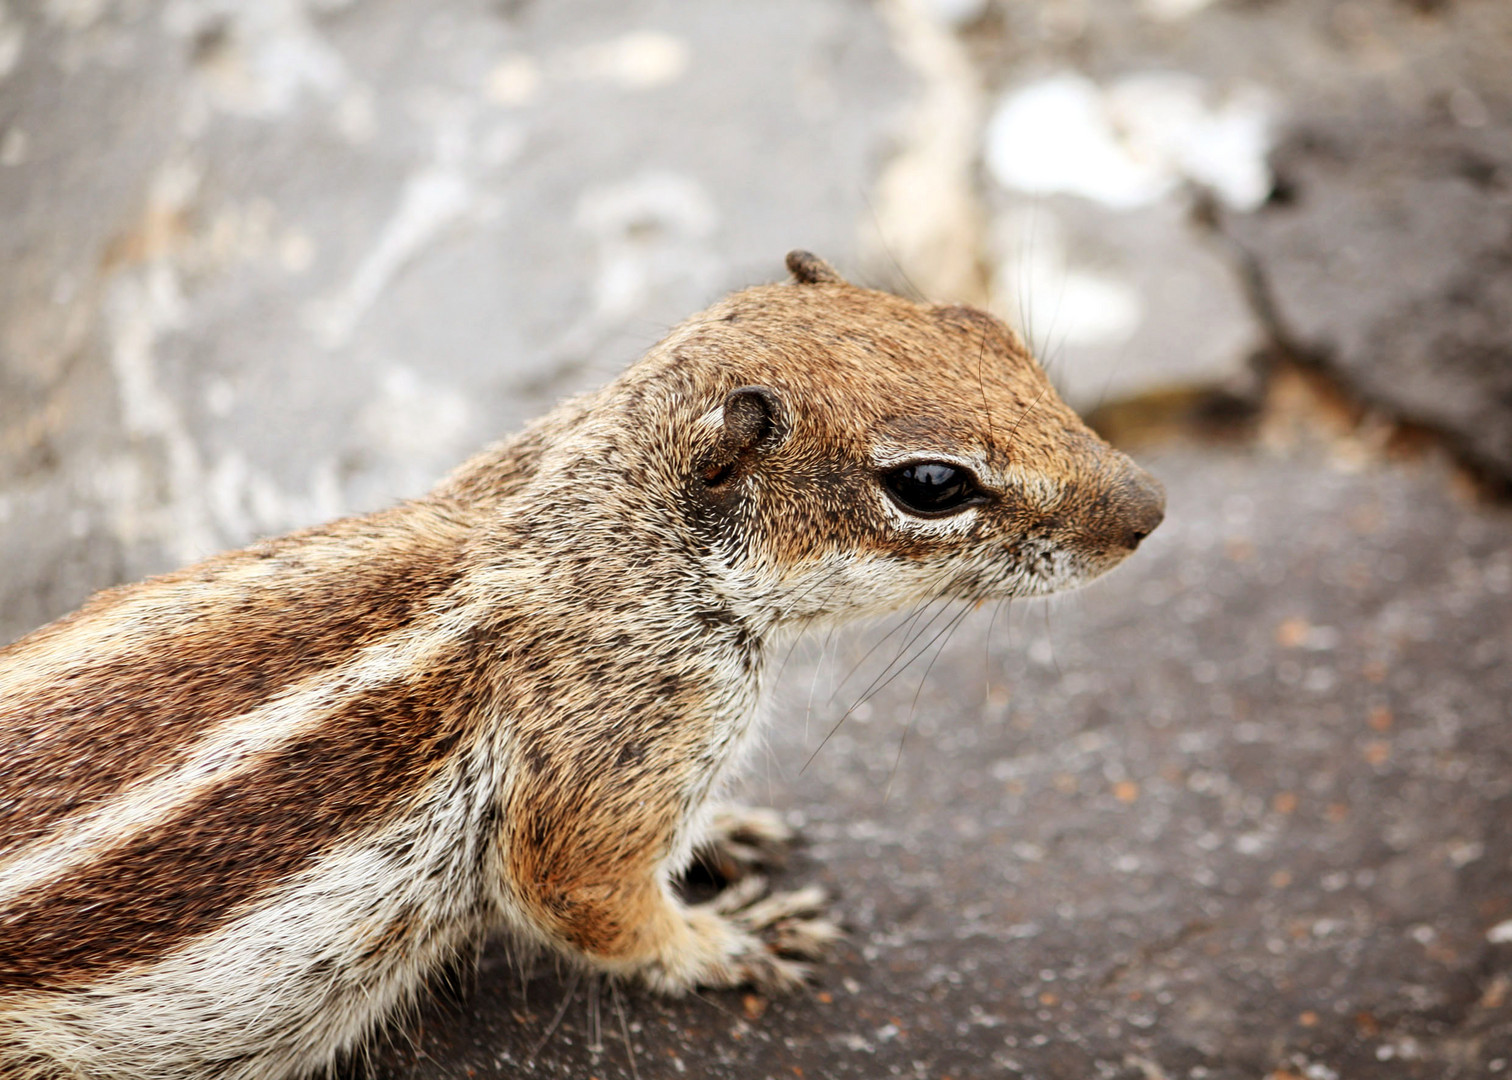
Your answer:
<point x="1112" y="125"/>
<point x="1383" y="255"/>
<point x="1388" y="256"/>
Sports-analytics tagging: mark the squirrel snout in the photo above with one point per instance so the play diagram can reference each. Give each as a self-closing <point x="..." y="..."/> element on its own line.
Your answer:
<point x="1143" y="499"/>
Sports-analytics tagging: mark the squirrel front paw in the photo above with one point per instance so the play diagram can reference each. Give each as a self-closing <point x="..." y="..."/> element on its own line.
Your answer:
<point x="742" y="839"/>
<point x="745" y="938"/>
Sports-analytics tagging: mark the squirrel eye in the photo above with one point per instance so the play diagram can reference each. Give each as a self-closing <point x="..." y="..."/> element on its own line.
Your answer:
<point x="932" y="488"/>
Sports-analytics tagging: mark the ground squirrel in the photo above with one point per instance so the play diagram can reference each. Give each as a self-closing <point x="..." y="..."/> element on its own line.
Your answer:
<point x="246" y="807"/>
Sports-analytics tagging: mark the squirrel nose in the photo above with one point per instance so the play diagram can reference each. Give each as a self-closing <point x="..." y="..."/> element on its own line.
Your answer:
<point x="1144" y="502"/>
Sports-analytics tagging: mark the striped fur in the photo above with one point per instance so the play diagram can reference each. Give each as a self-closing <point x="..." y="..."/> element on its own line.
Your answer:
<point x="246" y="807"/>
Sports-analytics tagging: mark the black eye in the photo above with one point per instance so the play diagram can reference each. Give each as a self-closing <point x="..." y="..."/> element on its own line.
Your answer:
<point x="932" y="488"/>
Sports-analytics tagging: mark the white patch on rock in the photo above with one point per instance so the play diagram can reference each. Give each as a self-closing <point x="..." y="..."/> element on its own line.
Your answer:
<point x="955" y="13"/>
<point x="641" y="60"/>
<point x="12" y="39"/>
<point x="514" y="80"/>
<point x="434" y="198"/>
<point x="1056" y="301"/>
<point x="1133" y="143"/>
<point x="1172" y="10"/>
<point x="220" y="397"/>
<point x="174" y="497"/>
<point x="1220" y="146"/>
<point x="247" y="502"/>
<point x="927" y="214"/>
<point x="296" y="251"/>
<point x="74" y="14"/>
<point x="14" y="147"/>
<point x="1055" y="136"/>
<point x="637" y="61"/>
<point x="268" y="55"/>
<point x="140" y="307"/>
<point x="1501" y="933"/>
<point x="356" y="116"/>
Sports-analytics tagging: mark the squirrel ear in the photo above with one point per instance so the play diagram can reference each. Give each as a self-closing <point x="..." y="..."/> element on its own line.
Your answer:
<point x="809" y="269"/>
<point x="753" y="424"/>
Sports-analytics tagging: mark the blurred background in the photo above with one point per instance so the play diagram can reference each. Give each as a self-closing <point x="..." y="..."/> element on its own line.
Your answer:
<point x="1238" y="811"/>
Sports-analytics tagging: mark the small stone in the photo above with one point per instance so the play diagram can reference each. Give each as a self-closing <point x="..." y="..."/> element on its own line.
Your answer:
<point x="1501" y="933"/>
<point x="1292" y="632"/>
<point x="14" y="145"/>
<point x="753" y="1006"/>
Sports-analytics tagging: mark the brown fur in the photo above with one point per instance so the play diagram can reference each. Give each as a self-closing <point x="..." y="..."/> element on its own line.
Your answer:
<point x="515" y="694"/>
<point x="137" y="695"/>
<point x="197" y="869"/>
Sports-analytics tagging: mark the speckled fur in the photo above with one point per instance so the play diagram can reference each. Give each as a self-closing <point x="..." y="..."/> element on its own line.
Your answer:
<point x="246" y="807"/>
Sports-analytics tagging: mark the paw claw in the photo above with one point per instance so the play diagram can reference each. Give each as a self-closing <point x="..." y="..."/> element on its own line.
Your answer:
<point x="755" y="826"/>
<point x="743" y="935"/>
<point x="774" y="974"/>
<point x="742" y="839"/>
<point x="791" y="927"/>
<point x="808" y="939"/>
<point x="768" y="912"/>
<point x="739" y="896"/>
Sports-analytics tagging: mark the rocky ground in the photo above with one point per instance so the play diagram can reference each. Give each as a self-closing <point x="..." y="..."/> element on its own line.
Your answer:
<point x="1235" y="812"/>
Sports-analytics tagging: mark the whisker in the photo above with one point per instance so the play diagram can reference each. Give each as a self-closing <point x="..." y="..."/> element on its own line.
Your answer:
<point x="889" y="670"/>
<point x="1026" y="284"/>
<point x="904" y="623"/>
<point x="556" y="1021"/>
<point x="625" y="1030"/>
<point x="982" y="387"/>
<point x="1025" y="414"/>
<point x="917" y="293"/>
<point x="997" y="611"/>
<point x="944" y="639"/>
<point x="798" y="636"/>
<point x="881" y="684"/>
<point x="711" y="1003"/>
<point x="874" y="685"/>
<point x="595" y="1027"/>
<point x="808" y="708"/>
<point x="1050" y="641"/>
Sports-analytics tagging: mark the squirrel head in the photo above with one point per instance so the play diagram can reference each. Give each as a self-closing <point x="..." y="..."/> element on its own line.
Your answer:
<point x="834" y="451"/>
